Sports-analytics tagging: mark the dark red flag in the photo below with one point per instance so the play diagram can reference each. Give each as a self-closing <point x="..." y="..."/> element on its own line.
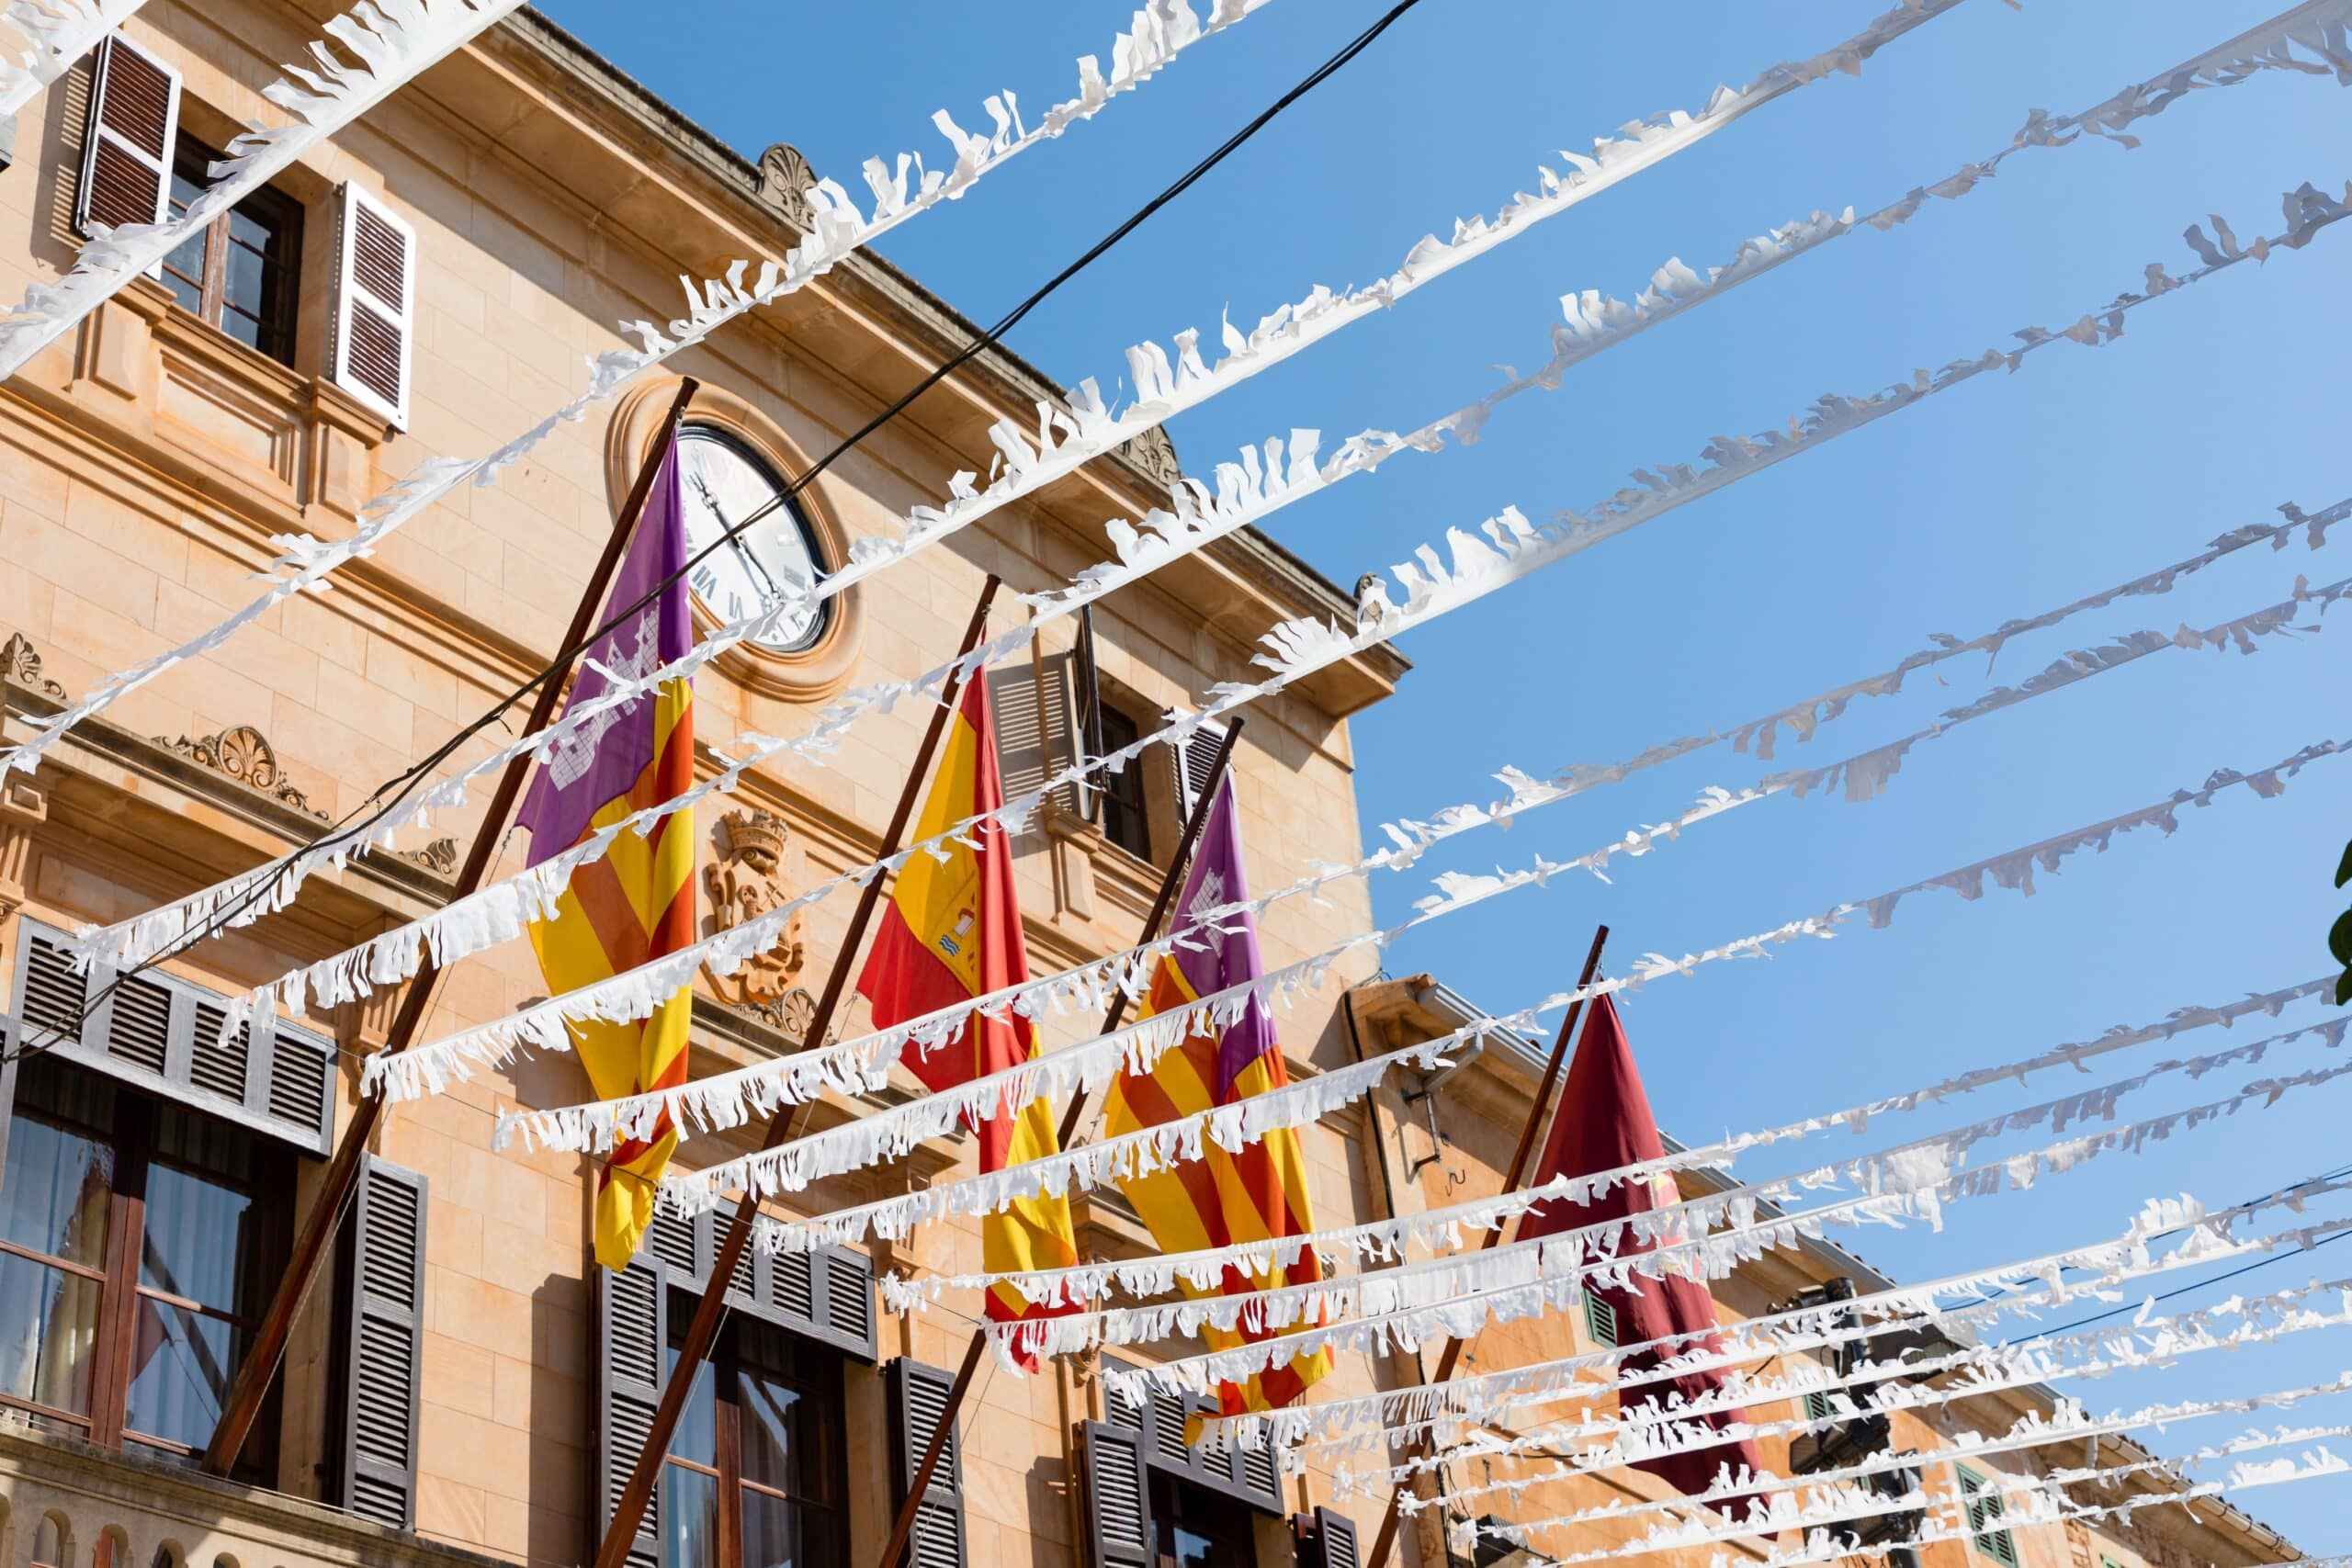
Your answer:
<point x="1603" y="1122"/>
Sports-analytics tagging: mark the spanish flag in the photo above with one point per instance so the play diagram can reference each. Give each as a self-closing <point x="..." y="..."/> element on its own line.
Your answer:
<point x="636" y="902"/>
<point x="952" y="931"/>
<point x="1222" y="1199"/>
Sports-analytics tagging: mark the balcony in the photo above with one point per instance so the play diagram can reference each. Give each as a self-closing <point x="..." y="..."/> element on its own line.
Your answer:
<point x="117" y="1510"/>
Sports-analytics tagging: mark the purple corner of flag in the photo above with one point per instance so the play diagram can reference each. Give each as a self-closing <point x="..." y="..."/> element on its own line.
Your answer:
<point x="1228" y="956"/>
<point x="601" y="761"/>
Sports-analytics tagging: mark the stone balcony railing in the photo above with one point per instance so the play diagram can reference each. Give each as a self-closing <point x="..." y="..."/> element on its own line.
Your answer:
<point x="117" y="1510"/>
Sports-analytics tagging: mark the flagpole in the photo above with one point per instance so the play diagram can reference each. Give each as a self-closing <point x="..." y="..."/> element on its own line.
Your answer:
<point x="1451" y="1355"/>
<point x="784" y="1126"/>
<point x="904" y="1525"/>
<point x="239" y="1410"/>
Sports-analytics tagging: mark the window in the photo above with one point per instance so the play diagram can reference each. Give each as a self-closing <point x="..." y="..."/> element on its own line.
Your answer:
<point x="1599" y="1321"/>
<point x="139" y="1241"/>
<point x="1199" y="1530"/>
<point x="1817" y="1407"/>
<point x="1125" y="821"/>
<point x="1984" y="1505"/>
<point x="756" y="1474"/>
<point x="239" y="273"/>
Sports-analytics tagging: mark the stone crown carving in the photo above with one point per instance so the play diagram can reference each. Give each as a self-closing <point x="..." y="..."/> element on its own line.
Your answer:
<point x="245" y="756"/>
<point x="746" y="879"/>
<point x="20" y="662"/>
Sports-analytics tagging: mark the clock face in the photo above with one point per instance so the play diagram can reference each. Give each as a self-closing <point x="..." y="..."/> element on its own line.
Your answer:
<point x="725" y="482"/>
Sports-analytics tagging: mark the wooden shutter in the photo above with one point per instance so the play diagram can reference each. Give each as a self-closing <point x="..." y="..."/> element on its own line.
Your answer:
<point x="163" y="1035"/>
<point x="372" y="327"/>
<point x="1193" y="757"/>
<point x="127" y="147"/>
<point x="826" y="1295"/>
<point x="383" y="1343"/>
<point x="1599" y="1321"/>
<point x="1117" y="1489"/>
<point x="1158" y="1423"/>
<point x="1326" y="1539"/>
<point x="918" y="1400"/>
<point x="1983" y="1502"/>
<point x="632" y="1337"/>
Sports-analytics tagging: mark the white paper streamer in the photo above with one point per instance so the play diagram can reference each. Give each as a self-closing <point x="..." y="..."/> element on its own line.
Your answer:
<point x="1531" y="1278"/>
<point x="1160" y="31"/>
<point x="1246" y="495"/>
<point x="1452" y="1225"/>
<point x="1927" y="1172"/>
<point x="63" y="31"/>
<point x="1376" y="1420"/>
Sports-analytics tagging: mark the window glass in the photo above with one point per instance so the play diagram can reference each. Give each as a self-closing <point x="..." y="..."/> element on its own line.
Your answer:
<point x="689" y="1517"/>
<point x="184" y="268"/>
<point x="1198" y="1529"/>
<point x="697" y="1438"/>
<point x="56" y="1195"/>
<point x="238" y="273"/>
<point x="51" y="1319"/>
<point x="1123" y="821"/>
<point x="181" y="1362"/>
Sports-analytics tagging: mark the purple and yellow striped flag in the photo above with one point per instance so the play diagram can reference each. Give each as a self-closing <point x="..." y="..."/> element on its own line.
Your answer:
<point x="635" y="903"/>
<point x="1222" y="1199"/>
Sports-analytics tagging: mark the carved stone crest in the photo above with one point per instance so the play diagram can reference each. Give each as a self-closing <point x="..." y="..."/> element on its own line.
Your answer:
<point x="20" y="662"/>
<point x="244" y="755"/>
<point x="440" y="857"/>
<point x="1155" y="455"/>
<point x="785" y="179"/>
<point x="746" y="880"/>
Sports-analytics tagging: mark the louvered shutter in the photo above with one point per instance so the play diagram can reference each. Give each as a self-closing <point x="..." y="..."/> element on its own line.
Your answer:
<point x="918" y="1400"/>
<point x="1192" y="758"/>
<point x="383" y="1341"/>
<point x="127" y="148"/>
<point x="162" y="1033"/>
<point x="826" y="1295"/>
<point x="1119" y="1532"/>
<point x="372" y="327"/>
<point x="1326" y="1540"/>
<point x="1158" y="1423"/>
<point x="1013" y="707"/>
<point x="632" y="1336"/>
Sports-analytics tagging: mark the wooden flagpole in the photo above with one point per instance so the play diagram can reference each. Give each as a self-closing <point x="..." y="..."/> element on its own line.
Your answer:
<point x="903" y="1526"/>
<point x="243" y="1403"/>
<point x="1451" y="1355"/>
<point x="782" y="1127"/>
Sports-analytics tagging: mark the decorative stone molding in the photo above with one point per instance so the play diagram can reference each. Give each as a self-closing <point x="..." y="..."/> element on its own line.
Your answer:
<point x="20" y="664"/>
<point x="23" y="807"/>
<point x="785" y="179"/>
<point x="1155" y="454"/>
<point x="439" y="857"/>
<point x="746" y="879"/>
<point x="244" y="755"/>
<point x="790" y="1015"/>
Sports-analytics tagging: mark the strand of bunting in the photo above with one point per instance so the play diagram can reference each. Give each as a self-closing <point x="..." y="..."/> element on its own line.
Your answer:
<point x="839" y="227"/>
<point x="61" y="31"/>
<point x="1247" y="494"/>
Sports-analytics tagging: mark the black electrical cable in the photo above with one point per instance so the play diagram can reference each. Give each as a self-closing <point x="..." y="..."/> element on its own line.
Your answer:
<point x="390" y="793"/>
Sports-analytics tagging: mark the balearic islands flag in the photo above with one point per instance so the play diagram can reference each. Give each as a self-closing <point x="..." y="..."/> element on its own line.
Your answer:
<point x="1222" y="1199"/>
<point x="1603" y="1122"/>
<point x="952" y="933"/>
<point x="635" y="903"/>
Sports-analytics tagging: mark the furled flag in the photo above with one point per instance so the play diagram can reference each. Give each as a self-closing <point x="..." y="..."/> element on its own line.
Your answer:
<point x="952" y="933"/>
<point x="1604" y="1122"/>
<point x="636" y="902"/>
<point x="1223" y="1199"/>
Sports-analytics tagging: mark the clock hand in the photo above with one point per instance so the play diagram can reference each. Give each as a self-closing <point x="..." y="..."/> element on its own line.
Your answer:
<point x="742" y="552"/>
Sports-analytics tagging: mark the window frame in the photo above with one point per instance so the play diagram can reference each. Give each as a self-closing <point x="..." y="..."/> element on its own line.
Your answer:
<point x="1121" y="795"/>
<point x="132" y="1140"/>
<point x="822" y="1384"/>
<point x="268" y="206"/>
<point x="1169" y="1494"/>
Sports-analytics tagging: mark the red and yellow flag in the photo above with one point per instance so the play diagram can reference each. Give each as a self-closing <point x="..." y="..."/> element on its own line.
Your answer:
<point x="635" y="902"/>
<point x="1222" y="1199"/>
<point x="952" y="931"/>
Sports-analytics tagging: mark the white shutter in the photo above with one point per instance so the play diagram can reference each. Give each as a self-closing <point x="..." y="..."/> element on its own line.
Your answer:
<point x="127" y="150"/>
<point x="1193" y="757"/>
<point x="373" y="326"/>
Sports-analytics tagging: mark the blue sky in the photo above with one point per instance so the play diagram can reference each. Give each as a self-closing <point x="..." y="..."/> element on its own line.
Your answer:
<point x="2007" y="496"/>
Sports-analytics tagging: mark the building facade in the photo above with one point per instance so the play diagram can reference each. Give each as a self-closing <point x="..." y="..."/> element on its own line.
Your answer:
<point x="463" y="1385"/>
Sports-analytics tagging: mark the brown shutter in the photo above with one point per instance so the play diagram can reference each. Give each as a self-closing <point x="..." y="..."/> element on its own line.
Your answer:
<point x="372" y="326"/>
<point x="632" y="1337"/>
<point x="1119" y="1531"/>
<point x="1326" y="1539"/>
<point x="127" y="147"/>
<point x="918" y="1400"/>
<point x="383" y="1342"/>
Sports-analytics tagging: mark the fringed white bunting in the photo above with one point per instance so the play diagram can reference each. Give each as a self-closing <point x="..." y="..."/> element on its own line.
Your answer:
<point x="1161" y="29"/>
<point x="2153" y="1340"/>
<point x="1912" y="1179"/>
<point x="1520" y="549"/>
<point x="1375" y="1421"/>
<point x="1451" y="1226"/>
<point x="63" y="31"/>
<point x="1246" y="493"/>
<point x="1064" y="440"/>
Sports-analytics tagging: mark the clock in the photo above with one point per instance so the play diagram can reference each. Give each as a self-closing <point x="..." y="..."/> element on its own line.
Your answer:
<point x="724" y="482"/>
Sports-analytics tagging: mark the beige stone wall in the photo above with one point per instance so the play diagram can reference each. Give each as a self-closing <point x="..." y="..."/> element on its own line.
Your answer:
<point x="145" y="463"/>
